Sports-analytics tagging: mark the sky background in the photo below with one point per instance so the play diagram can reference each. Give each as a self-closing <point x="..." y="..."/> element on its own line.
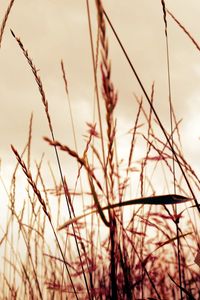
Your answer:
<point x="52" y="30"/>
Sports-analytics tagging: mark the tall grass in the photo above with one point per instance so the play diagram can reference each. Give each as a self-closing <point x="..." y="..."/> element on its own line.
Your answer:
<point x="128" y="241"/>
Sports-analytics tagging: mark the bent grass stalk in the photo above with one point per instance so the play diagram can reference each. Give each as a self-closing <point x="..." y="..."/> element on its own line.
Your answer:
<point x="42" y="202"/>
<point x="154" y="200"/>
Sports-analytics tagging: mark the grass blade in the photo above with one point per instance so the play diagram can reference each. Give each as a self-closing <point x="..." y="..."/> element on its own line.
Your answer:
<point x="156" y="200"/>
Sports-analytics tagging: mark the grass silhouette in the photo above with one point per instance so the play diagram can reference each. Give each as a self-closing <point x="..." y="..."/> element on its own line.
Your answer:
<point x="104" y="247"/>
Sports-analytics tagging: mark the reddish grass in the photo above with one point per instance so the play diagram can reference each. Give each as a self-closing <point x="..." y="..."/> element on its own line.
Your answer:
<point x="114" y="248"/>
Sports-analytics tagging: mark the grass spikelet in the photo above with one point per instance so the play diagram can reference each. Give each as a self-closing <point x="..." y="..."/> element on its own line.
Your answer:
<point x="109" y="94"/>
<point x="83" y="162"/>
<point x="31" y="181"/>
<point x="37" y="79"/>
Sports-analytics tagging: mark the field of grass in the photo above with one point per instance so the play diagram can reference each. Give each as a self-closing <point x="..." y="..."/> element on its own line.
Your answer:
<point x="122" y="222"/>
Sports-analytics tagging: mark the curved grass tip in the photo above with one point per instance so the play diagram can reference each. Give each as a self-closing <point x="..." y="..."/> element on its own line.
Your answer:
<point x="153" y="200"/>
<point x="162" y="199"/>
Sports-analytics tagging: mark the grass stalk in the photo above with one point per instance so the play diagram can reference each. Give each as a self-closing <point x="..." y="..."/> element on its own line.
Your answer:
<point x="3" y="25"/>
<point x="42" y="202"/>
<point x="154" y="111"/>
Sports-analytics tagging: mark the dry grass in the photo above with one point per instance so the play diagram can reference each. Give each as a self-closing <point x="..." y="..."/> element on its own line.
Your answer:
<point x="142" y="248"/>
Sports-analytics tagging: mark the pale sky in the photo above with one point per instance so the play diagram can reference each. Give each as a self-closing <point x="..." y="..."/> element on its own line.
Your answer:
<point x="52" y="30"/>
